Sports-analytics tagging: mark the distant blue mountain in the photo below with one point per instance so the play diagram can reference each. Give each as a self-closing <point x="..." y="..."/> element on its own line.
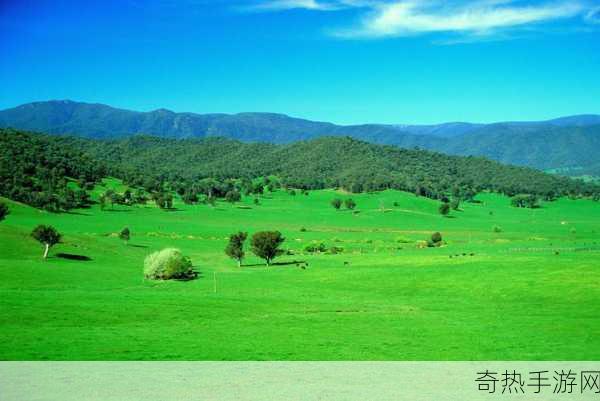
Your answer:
<point x="565" y="142"/>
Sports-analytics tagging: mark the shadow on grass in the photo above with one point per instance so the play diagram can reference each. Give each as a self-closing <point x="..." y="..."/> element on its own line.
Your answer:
<point x="295" y="262"/>
<point x="138" y="246"/>
<point x="71" y="256"/>
<point x="193" y="276"/>
<point x="78" y="213"/>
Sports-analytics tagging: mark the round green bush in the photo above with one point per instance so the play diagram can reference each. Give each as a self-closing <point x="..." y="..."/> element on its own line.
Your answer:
<point x="436" y="237"/>
<point x="168" y="264"/>
<point x="435" y="241"/>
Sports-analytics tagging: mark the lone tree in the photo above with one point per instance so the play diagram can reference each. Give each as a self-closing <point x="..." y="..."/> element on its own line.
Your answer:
<point x="455" y="204"/>
<point x="3" y="211"/>
<point x="46" y="235"/>
<point x="124" y="235"/>
<point x="168" y="201"/>
<point x="444" y="209"/>
<point x="233" y="196"/>
<point x="109" y="196"/>
<point x="235" y="247"/>
<point x="164" y="200"/>
<point x="140" y="197"/>
<point x="336" y="203"/>
<point x="190" y="197"/>
<point x="350" y="204"/>
<point x="265" y="245"/>
<point x="102" y="202"/>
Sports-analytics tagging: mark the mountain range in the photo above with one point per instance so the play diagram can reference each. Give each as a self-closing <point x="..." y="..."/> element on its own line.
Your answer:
<point x="568" y="144"/>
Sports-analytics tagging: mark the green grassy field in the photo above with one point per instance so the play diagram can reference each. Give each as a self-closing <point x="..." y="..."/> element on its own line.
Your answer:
<point x="506" y="296"/>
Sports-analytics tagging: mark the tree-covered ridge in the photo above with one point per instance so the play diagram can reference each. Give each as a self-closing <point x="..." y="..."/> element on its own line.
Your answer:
<point x="328" y="162"/>
<point x="36" y="169"/>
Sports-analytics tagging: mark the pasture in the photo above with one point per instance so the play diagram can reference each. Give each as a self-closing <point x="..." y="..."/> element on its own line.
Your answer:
<point x="529" y="290"/>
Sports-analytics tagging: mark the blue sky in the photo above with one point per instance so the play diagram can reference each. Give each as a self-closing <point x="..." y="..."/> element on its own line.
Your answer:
<point x="345" y="61"/>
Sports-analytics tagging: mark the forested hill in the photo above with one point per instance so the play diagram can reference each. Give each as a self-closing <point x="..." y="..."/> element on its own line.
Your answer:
<point x="567" y="144"/>
<point x="329" y="162"/>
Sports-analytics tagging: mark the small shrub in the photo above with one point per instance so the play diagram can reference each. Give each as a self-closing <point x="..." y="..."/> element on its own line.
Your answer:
<point x="525" y="200"/>
<point x="303" y="229"/>
<point x="315" y="248"/>
<point x="168" y="264"/>
<point x="334" y="250"/>
<point x="497" y="229"/>
<point x="125" y="235"/>
<point x="435" y="241"/>
<point x="421" y="244"/>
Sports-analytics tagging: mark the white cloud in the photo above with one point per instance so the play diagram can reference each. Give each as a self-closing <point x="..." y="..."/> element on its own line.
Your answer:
<point x="320" y="5"/>
<point x="274" y="5"/>
<point x="405" y="18"/>
<point x="469" y="18"/>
